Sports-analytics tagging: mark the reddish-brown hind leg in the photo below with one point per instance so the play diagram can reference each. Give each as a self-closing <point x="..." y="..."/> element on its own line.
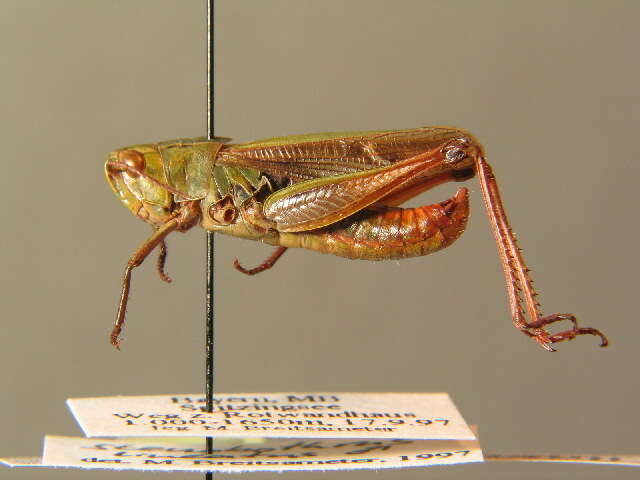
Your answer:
<point x="266" y="265"/>
<point x="520" y="289"/>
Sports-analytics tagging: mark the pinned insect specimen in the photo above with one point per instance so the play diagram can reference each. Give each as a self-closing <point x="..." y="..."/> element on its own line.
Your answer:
<point x="336" y="193"/>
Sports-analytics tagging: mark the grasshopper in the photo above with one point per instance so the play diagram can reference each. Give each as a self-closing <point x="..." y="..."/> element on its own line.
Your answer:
<point x="336" y="193"/>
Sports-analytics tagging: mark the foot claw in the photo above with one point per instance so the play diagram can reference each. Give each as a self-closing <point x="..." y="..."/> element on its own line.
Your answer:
<point x="545" y="339"/>
<point x="165" y="278"/>
<point x="115" y="340"/>
<point x="240" y="268"/>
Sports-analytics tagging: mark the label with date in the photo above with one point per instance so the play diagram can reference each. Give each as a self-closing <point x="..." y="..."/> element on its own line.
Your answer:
<point x="250" y="454"/>
<point x="427" y="416"/>
<point x="243" y="455"/>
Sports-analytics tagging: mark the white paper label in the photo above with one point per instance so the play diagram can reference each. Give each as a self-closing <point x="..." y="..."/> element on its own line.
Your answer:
<point x="609" y="460"/>
<point x="22" y="461"/>
<point x="275" y="415"/>
<point x="243" y="455"/>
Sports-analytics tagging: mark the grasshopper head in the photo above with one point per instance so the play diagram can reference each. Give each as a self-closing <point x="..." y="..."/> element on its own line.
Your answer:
<point x="136" y="176"/>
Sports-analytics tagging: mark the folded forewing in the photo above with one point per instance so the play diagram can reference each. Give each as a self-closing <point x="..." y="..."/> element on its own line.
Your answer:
<point x="305" y="157"/>
<point x="316" y="203"/>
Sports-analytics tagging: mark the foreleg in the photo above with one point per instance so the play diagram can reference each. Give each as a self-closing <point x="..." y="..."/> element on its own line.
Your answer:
<point x="184" y="219"/>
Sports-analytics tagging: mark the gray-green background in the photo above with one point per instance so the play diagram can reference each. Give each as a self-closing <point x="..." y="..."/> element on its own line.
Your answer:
<point x="551" y="88"/>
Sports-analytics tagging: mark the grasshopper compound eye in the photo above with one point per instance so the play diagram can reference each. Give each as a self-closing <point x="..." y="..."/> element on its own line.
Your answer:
<point x="132" y="159"/>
